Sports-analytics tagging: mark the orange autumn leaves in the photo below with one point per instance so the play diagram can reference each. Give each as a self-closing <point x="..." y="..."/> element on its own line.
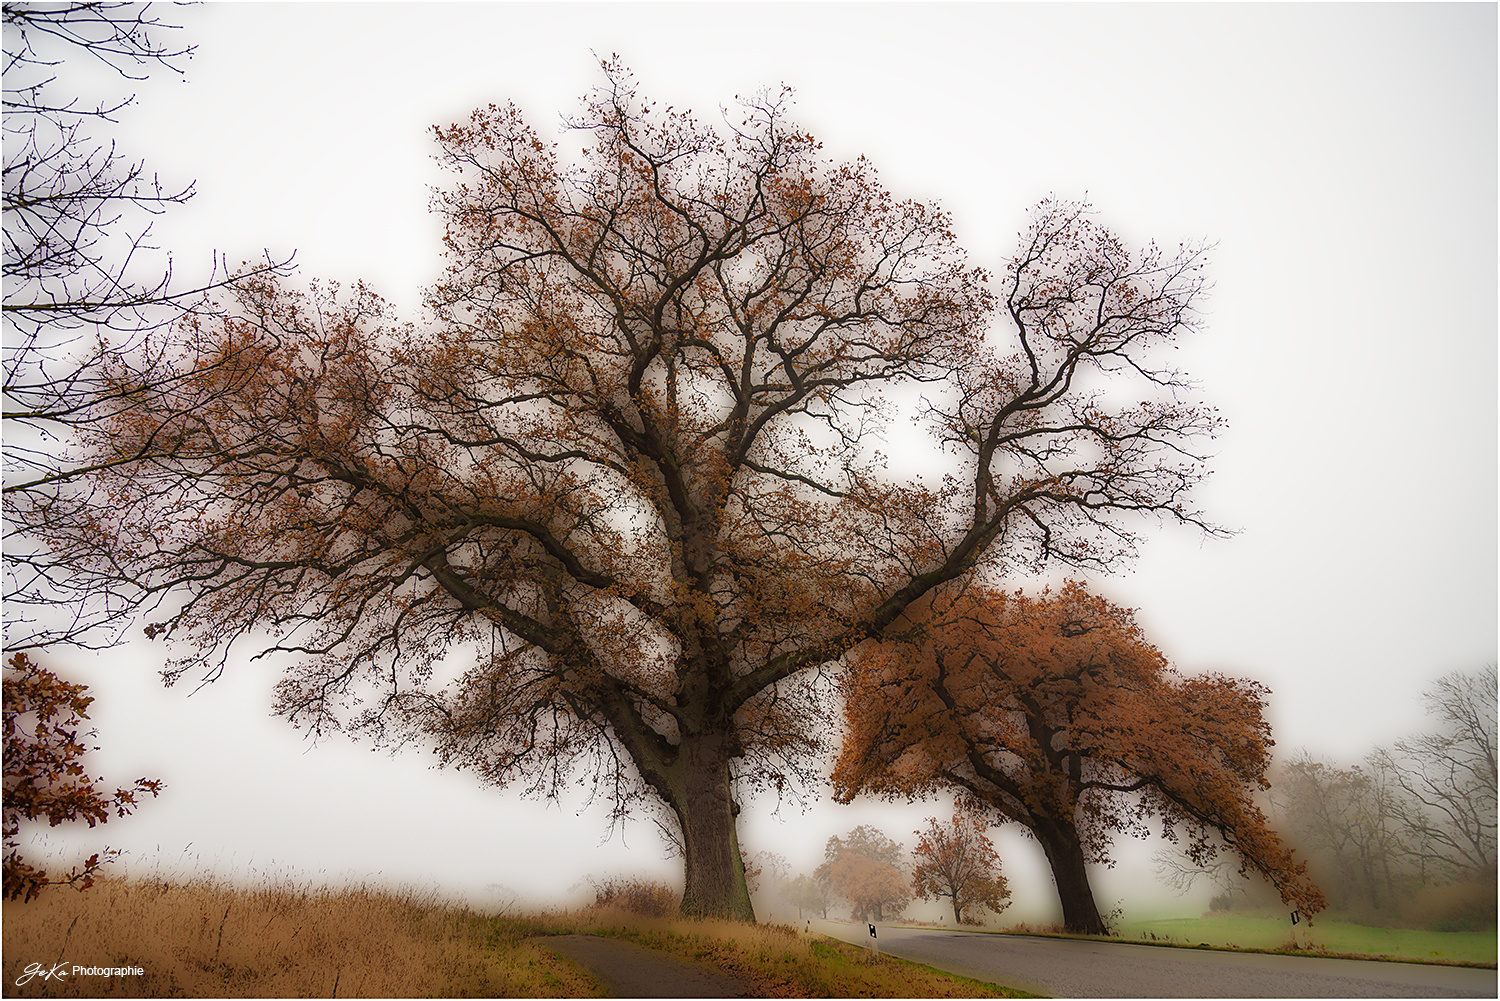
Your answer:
<point x="959" y="862"/>
<point x="45" y="779"/>
<point x="1055" y="712"/>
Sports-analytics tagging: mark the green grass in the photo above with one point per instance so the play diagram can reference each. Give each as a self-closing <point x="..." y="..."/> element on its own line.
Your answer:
<point x="1324" y="935"/>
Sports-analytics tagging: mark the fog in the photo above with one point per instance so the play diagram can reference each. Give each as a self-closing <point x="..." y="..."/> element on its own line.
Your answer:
<point x="1342" y="158"/>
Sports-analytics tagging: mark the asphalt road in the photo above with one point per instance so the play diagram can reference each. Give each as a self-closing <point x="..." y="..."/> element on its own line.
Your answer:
<point x="630" y="971"/>
<point x="1088" y="969"/>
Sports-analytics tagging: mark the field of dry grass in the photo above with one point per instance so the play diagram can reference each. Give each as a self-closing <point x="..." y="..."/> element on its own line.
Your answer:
<point x="208" y="940"/>
<point x="202" y="939"/>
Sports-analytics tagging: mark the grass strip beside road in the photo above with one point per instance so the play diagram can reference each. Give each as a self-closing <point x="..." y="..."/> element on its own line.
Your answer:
<point x="1326" y="937"/>
<point x="777" y="961"/>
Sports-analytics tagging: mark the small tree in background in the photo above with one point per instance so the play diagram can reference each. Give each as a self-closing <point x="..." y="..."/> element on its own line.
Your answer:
<point x="959" y="862"/>
<point x="44" y="773"/>
<point x="864" y="867"/>
<point x="810" y="893"/>
<point x="1347" y="820"/>
<point x="766" y="871"/>
<point x="1176" y="868"/>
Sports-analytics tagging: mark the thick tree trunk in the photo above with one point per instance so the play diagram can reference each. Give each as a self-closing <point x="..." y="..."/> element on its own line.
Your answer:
<point x="705" y="812"/>
<point x="1069" y="872"/>
<point x="958" y="917"/>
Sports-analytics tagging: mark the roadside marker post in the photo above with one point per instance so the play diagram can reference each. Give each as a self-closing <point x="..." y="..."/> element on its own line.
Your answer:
<point x="874" y="944"/>
<point x="1299" y="929"/>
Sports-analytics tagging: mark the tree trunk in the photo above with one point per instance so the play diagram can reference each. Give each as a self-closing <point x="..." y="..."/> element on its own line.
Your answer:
<point x="958" y="917"/>
<point x="1069" y="872"/>
<point x="715" y="871"/>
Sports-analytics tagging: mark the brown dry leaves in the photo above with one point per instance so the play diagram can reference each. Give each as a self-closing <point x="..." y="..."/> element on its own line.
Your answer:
<point x="1057" y="709"/>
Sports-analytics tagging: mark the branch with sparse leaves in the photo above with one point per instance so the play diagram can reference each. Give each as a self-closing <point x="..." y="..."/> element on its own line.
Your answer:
<point x="87" y="299"/>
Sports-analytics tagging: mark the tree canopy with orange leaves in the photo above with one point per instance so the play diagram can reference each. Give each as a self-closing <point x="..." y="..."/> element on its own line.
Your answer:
<point x="1056" y="713"/>
<point x="958" y="861"/>
<point x="614" y="500"/>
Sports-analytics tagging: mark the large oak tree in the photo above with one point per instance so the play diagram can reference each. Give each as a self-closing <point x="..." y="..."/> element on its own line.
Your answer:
<point x="616" y="501"/>
<point x="1057" y="714"/>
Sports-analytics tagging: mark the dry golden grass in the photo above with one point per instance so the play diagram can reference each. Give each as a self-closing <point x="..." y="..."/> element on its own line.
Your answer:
<point x="203" y="939"/>
<point x="208" y="940"/>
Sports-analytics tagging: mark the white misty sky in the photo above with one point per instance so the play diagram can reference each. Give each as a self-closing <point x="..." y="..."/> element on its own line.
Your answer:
<point x="1342" y="157"/>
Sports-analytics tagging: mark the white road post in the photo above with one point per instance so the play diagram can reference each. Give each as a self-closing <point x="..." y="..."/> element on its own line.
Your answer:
<point x="1299" y="927"/>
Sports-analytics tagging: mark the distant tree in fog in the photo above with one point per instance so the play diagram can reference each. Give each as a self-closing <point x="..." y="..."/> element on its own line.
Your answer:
<point x="1420" y="813"/>
<point x="1347" y="820"/>
<point x="812" y="894"/>
<point x="864" y="867"/>
<point x="1447" y="780"/>
<point x="766" y="871"/>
